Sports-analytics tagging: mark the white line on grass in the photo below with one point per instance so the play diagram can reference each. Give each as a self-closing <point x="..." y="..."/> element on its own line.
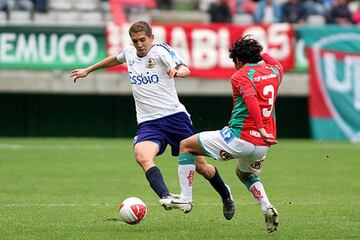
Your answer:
<point x="15" y="205"/>
<point x="20" y="205"/>
<point x="10" y="146"/>
<point x="58" y="147"/>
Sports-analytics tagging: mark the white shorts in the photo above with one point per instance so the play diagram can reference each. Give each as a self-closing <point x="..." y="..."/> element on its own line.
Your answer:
<point x="223" y="145"/>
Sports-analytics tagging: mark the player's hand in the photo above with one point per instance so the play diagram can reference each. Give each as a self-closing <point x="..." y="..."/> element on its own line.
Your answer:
<point x="78" y="73"/>
<point x="269" y="138"/>
<point x="172" y="72"/>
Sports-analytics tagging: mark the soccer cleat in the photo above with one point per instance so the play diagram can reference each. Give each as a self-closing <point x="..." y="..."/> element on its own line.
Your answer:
<point x="228" y="206"/>
<point x="172" y="195"/>
<point x="171" y="202"/>
<point x="271" y="219"/>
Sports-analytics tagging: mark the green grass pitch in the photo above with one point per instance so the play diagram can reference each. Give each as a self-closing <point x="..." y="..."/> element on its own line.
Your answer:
<point x="71" y="189"/>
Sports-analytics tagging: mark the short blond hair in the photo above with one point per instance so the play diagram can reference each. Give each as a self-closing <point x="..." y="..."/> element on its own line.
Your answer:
<point x="141" y="26"/>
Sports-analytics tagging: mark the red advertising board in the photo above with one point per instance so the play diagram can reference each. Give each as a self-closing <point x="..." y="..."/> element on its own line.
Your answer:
<point x="205" y="47"/>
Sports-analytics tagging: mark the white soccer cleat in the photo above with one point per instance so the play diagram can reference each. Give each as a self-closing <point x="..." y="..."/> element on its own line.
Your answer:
<point x="172" y="195"/>
<point x="271" y="219"/>
<point x="171" y="202"/>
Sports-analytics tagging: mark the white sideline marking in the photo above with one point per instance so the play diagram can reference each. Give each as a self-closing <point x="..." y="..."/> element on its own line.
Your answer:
<point x="10" y="146"/>
<point x="61" y="147"/>
<point x="15" y="205"/>
<point x="53" y="205"/>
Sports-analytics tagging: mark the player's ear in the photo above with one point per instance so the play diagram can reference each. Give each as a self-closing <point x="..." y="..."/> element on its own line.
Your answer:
<point x="152" y="37"/>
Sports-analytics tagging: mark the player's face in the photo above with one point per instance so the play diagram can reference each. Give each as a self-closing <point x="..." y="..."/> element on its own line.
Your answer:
<point x="142" y="42"/>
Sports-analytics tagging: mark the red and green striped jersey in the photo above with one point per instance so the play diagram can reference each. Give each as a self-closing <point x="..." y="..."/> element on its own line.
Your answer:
<point x="261" y="81"/>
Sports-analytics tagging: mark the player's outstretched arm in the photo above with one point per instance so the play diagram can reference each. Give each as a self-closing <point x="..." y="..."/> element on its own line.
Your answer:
<point x="105" y="63"/>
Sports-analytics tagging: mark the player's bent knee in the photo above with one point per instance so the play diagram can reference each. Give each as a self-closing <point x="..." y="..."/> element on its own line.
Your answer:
<point x="243" y="175"/>
<point x="184" y="146"/>
<point x="143" y="160"/>
<point x="247" y="178"/>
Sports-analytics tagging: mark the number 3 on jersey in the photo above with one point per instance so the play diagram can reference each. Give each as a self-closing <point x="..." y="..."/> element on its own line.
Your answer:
<point x="268" y="91"/>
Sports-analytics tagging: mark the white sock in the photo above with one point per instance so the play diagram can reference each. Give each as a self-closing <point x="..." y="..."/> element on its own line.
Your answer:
<point x="258" y="191"/>
<point x="186" y="173"/>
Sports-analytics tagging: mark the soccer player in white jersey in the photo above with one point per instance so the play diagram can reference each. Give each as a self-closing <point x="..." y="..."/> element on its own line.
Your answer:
<point x="161" y="118"/>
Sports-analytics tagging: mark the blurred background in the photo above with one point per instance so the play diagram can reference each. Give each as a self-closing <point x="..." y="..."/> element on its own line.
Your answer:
<point x="41" y="41"/>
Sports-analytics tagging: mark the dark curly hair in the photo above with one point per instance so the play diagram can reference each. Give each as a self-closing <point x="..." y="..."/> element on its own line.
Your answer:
<point x="246" y="49"/>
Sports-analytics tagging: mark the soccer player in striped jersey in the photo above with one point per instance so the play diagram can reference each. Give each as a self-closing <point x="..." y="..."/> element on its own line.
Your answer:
<point x="162" y="119"/>
<point x="251" y="129"/>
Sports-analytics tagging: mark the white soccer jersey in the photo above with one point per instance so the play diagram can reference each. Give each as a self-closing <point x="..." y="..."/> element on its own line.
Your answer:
<point x="153" y="90"/>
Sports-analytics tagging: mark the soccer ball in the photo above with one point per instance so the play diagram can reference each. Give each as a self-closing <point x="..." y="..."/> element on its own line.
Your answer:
<point x="132" y="210"/>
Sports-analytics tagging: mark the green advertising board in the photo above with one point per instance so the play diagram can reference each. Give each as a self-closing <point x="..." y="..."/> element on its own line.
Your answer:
<point x="334" y="70"/>
<point x="40" y="47"/>
<point x="32" y="47"/>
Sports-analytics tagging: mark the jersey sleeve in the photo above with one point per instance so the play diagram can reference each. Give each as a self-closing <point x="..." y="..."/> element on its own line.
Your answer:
<point x="272" y="61"/>
<point x="245" y="88"/>
<point x="253" y="107"/>
<point x="120" y="57"/>
<point x="169" y="56"/>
